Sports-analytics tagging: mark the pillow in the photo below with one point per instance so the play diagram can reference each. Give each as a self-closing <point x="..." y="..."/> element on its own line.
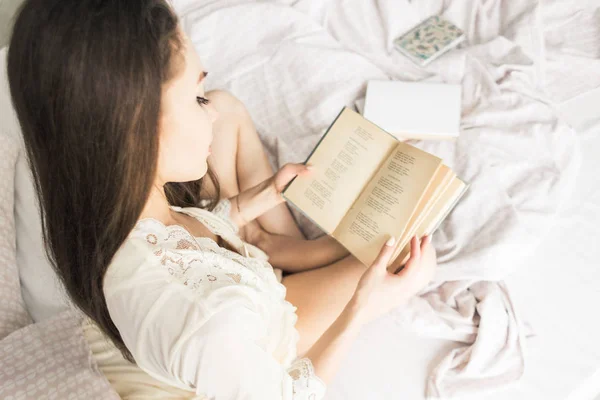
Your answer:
<point x="41" y="289"/>
<point x="51" y="360"/>
<point x="13" y="314"/>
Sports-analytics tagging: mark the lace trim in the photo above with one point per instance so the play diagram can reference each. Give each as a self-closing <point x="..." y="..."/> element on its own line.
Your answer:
<point x="223" y="210"/>
<point x="195" y="260"/>
<point x="305" y="381"/>
<point x="225" y="228"/>
<point x="202" y="265"/>
<point x="199" y="262"/>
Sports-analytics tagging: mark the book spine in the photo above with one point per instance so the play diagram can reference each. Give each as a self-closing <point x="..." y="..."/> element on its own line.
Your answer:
<point x="315" y="148"/>
<point x="446" y="49"/>
<point x="305" y="215"/>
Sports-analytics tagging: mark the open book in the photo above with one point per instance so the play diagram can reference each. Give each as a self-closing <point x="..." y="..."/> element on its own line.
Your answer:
<point x="368" y="186"/>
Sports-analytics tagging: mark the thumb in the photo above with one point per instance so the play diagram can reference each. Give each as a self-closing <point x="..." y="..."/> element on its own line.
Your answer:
<point x="384" y="256"/>
<point x="288" y="172"/>
<point x="293" y="169"/>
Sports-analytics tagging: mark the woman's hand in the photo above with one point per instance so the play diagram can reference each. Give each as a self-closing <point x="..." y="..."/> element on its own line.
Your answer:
<point x="379" y="291"/>
<point x="253" y="202"/>
<point x="286" y="174"/>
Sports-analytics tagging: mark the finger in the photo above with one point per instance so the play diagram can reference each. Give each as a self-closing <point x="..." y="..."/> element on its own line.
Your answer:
<point x="287" y="173"/>
<point x="307" y="170"/>
<point x="385" y="254"/>
<point x="415" y="254"/>
<point x="292" y="169"/>
<point x="425" y="240"/>
<point x="415" y="248"/>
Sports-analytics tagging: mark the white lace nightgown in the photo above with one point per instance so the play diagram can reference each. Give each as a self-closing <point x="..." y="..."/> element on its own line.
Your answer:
<point x="206" y="319"/>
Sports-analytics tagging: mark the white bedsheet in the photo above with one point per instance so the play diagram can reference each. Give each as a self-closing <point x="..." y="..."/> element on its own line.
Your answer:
<point x="559" y="292"/>
<point x="295" y="63"/>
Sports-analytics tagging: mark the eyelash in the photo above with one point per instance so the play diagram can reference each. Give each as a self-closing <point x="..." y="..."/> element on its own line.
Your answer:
<point x="202" y="100"/>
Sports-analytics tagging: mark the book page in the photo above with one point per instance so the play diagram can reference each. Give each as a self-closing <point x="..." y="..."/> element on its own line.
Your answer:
<point x="388" y="202"/>
<point x="440" y="183"/>
<point x="344" y="161"/>
<point x="442" y="207"/>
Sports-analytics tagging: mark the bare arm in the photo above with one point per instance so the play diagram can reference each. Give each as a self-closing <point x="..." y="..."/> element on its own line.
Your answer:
<point x="251" y="203"/>
<point x="294" y="254"/>
<point x="327" y="353"/>
<point x="377" y="292"/>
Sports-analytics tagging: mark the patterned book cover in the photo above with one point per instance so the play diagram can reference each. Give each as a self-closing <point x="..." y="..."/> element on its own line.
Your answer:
<point x="430" y="39"/>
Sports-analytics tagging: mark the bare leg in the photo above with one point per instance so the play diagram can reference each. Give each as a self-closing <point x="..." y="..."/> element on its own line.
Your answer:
<point x="240" y="162"/>
<point x="321" y="295"/>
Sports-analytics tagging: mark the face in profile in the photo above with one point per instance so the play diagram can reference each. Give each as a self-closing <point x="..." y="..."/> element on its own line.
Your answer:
<point x="185" y="124"/>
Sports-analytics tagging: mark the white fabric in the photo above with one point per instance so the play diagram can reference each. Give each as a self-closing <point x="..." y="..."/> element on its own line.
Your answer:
<point x="294" y="64"/>
<point x="201" y="317"/>
<point x="481" y="315"/>
<point x="559" y="289"/>
<point x="42" y="292"/>
<point x="556" y="288"/>
<point x="559" y="38"/>
<point x="127" y="379"/>
<point x="13" y="314"/>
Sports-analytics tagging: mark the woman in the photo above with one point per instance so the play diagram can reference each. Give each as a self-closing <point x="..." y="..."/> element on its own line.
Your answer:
<point x="120" y="133"/>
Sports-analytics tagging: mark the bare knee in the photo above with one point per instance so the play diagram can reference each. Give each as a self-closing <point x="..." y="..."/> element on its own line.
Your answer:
<point x="232" y="112"/>
<point x="226" y="103"/>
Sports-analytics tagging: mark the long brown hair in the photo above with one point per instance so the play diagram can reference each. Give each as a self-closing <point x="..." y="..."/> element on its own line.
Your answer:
<point x="85" y="80"/>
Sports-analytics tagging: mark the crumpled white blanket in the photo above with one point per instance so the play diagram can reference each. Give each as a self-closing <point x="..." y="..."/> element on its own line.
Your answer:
<point x="295" y="64"/>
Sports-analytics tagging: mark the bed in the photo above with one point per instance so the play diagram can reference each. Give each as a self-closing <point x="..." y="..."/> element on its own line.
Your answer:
<point x="558" y="296"/>
<point x="531" y="74"/>
<point x="307" y="58"/>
